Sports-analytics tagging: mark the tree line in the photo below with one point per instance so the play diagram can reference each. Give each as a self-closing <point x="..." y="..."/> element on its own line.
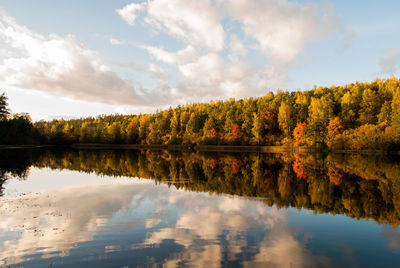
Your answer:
<point x="357" y="116"/>
<point x="15" y="128"/>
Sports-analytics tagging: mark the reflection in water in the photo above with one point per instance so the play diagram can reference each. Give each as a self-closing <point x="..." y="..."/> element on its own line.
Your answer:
<point x="132" y="221"/>
<point x="51" y="224"/>
<point x="15" y="163"/>
<point x="354" y="185"/>
<point x="392" y="236"/>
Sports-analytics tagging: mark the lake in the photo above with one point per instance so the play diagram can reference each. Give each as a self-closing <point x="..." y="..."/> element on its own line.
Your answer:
<point x="128" y="208"/>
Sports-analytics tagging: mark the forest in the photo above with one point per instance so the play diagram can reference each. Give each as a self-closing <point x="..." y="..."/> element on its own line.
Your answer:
<point x="357" y="116"/>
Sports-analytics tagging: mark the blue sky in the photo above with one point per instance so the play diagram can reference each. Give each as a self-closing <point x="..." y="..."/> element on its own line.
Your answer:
<point x="83" y="58"/>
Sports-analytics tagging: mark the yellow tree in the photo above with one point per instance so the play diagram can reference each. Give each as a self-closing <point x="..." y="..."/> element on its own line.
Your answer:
<point x="285" y="118"/>
<point x="320" y="111"/>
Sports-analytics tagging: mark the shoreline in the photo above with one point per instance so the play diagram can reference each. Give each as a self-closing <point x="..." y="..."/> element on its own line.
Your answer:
<point x="25" y="146"/>
<point x="229" y="148"/>
<point x="200" y="148"/>
<point x="205" y="148"/>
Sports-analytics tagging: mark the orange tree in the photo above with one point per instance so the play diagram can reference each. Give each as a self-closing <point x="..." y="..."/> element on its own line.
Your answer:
<point x="299" y="133"/>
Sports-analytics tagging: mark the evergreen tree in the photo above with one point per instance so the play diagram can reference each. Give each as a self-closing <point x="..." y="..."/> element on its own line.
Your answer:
<point x="4" y="111"/>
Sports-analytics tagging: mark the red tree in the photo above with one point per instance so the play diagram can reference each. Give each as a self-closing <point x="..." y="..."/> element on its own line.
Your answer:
<point x="235" y="131"/>
<point x="213" y="133"/>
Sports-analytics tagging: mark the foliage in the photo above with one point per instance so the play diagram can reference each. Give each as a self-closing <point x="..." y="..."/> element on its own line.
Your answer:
<point x="299" y="133"/>
<point x="334" y="116"/>
<point x="366" y="137"/>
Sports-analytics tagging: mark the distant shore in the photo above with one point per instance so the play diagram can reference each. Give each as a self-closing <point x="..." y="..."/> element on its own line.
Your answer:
<point x="204" y="148"/>
<point x="24" y="146"/>
<point x="227" y="148"/>
<point x="201" y="148"/>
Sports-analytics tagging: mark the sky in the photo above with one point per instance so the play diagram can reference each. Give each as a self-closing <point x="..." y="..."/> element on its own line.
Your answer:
<point x="70" y="59"/>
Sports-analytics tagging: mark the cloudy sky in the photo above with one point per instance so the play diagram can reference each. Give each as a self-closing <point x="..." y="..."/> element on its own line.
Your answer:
<point x="78" y="58"/>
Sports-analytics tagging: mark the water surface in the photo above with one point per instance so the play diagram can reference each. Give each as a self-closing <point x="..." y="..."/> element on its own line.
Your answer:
<point x="144" y="208"/>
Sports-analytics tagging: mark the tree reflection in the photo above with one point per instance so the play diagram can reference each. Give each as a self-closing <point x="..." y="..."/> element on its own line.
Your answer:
<point x="354" y="185"/>
<point x="15" y="163"/>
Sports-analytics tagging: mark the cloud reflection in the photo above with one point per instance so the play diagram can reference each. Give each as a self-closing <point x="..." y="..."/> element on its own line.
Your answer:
<point x="52" y="223"/>
<point x="214" y="230"/>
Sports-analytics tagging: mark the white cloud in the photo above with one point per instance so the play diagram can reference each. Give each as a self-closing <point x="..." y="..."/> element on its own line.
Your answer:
<point x="195" y="22"/>
<point x="280" y="30"/>
<point x="62" y="66"/>
<point x="208" y="65"/>
<point x="115" y="42"/>
<point x="128" y="12"/>
<point x="158" y="73"/>
<point x="209" y="76"/>
<point x="155" y="69"/>
<point x="390" y="63"/>
<point x="237" y="48"/>
<point x="186" y="54"/>
<point x="207" y="68"/>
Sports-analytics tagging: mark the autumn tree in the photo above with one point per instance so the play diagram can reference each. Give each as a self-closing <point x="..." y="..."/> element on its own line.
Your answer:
<point x="302" y="104"/>
<point x="144" y="123"/>
<point x="370" y="106"/>
<point x="114" y="132"/>
<point x="196" y="122"/>
<point x="235" y="131"/>
<point x="320" y="112"/>
<point x="396" y="111"/>
<point x="257" y="128"/>
<point x="385" y="113"/>
<point x="349" y="109"/>
<point x="285" y="118"/>
<point x="299" y="133"/>
<point x="335" y="127"/>
<point x="270" y="120"/>
<point x="132" y="131"/>
<point x="371" y="109"/>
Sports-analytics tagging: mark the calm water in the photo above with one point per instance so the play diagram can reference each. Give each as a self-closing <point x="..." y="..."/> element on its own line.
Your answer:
<point x="155" y="208"/>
